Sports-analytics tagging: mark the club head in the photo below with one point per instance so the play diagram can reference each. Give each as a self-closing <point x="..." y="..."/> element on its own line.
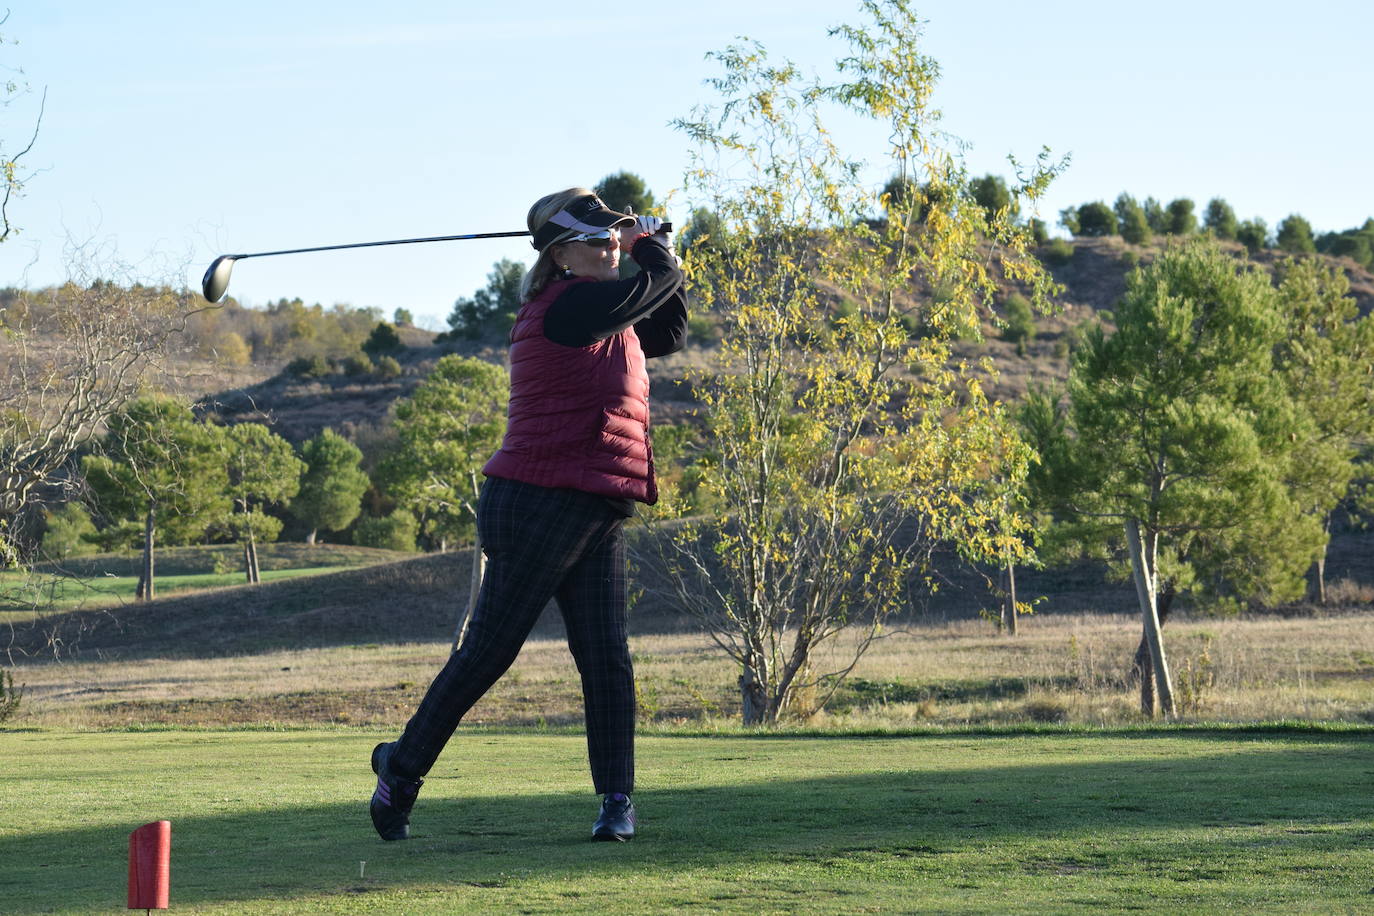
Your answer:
<point x="216" y="281"/>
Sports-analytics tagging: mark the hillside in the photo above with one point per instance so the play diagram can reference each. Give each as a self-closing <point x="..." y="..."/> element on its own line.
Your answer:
<point x="417" y="601"/>
<point x="1094" y="278"/>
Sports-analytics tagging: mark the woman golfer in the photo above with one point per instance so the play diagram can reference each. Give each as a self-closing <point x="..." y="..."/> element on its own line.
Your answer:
<point x="575" y="459"/>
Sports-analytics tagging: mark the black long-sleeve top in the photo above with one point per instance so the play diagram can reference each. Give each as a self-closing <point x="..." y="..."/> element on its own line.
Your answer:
<point x="652" y="302"/>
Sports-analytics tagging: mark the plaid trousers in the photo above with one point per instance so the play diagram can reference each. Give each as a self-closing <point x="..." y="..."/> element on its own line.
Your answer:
<point x="541" y="543"/>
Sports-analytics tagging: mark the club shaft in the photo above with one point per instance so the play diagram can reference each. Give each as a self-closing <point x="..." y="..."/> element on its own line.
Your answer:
<point x="437" y="238"/>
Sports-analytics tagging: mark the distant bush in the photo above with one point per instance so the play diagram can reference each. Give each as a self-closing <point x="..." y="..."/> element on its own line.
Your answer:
<point x="1019" y="320"/>
<point x="357" y="364"/>
<point x="1128" y="259"/>
<point x="310" y="367"/>
<point x="1040" y="233"/>
<point x="396" y="531"/>
<point x="1057" y="252"/>
<point x="1253" y="234"/>
<point x="388" y="367"/>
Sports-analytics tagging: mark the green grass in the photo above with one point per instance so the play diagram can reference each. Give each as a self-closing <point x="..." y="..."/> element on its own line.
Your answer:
<point x="64" y="593"/>
<point x="263" y="822"/>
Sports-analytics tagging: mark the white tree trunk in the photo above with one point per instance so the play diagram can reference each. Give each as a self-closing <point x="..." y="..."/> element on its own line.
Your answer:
<point x="1143" y="570"/>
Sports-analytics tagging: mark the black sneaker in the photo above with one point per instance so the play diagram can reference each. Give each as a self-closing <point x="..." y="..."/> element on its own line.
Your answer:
<point x="617" y="820"/>
<point x="393" y="797"/>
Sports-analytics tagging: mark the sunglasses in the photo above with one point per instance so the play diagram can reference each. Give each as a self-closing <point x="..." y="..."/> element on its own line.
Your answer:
<point x="600" y="239"/>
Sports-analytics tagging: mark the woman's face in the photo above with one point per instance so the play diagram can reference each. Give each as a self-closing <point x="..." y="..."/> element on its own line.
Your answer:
<point x="583" y="259"/>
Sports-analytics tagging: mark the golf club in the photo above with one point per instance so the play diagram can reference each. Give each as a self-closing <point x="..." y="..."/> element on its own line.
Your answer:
<point x="216" y="280"/>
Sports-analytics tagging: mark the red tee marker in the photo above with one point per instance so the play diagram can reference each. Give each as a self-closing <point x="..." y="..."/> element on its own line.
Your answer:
<point x="150" y="866"/>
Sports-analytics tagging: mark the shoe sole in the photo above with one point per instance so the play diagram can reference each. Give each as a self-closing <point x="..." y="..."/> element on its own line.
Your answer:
<point x="612" y="837"/>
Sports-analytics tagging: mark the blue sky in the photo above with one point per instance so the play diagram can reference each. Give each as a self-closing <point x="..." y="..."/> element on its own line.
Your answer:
<point x="177" y="131"/>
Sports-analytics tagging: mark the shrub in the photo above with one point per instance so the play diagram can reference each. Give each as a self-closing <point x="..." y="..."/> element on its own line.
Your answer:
<point x="10" y="695"/>
<point x="1253" y="234"/>
<point x="1040" y="233"/>
<point x="1129" y="259"/>
<point x="388" y="367"/>
<point x="1019" y="323"/>
<point x="1057" y="252"/>
<point x="309" y="366"/>
<point x="396" y="531"/>
<point x="357" y="364"/>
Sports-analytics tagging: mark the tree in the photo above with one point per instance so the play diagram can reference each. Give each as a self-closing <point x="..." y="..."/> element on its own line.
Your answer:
<point x="837" y="470"/>
<point x="382" y="340"/>
<point x="1253" y="234"/>
<point x="990" y="192"/>
<point x="159" y="470"/>
<point x="1096" y="219"/>
<point x="12" y="174"/>
<point x="1295" y="236"/>
<point x="67" y="531"/>
<point x="332" y="487"/>
<point x="1220" y="219"/>
<point x="263" y="470"/>
<point x="1179" y="218"/>
<point x="1155" y="216"/>
<point x="72" y="356"/>
<point x="702" y="227"/>
<point x="403" y="318"/>
<point x="492" y="309"/>
<point x="445" y="432"/>
<point x="1324" y="359"/>
<point x="1183" y="435"/>
<point x="621" y="190"/>
<point x="1130" y="216"/>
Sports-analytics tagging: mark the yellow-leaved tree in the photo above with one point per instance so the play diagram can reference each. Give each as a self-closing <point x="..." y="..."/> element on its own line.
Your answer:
<point x="845" y="443"/>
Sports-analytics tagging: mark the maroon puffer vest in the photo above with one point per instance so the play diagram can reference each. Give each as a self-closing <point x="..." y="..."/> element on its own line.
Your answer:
<point x="579" y="416"/>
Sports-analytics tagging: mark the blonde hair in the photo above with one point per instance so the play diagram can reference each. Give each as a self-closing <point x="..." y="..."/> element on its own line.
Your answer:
<point x="546" y="267"/>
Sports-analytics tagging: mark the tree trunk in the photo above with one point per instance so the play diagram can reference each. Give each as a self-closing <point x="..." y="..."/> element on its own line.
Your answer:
<point x="1143" y="669"/>
<point x="1009" y="597"/>
<point x="310" y="538"/>
<point x="247" y="564"/>
<point x="146" y="589"/>
<point x="254" y="575"/>
<point x="753" y="701"/>
<point x="1319" y="571"/>
<point x="1143" y="560"/>
<point x="479" y="569"/>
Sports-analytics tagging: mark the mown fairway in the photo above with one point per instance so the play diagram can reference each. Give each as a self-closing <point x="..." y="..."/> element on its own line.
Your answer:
<point x="274" y="822"/>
